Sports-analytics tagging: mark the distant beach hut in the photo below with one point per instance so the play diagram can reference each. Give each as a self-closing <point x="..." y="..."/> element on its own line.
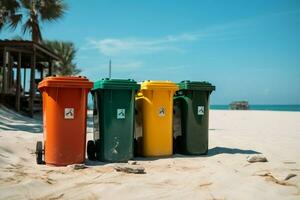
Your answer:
<point x="239" y="105"/>
<point x="17" y="55"/>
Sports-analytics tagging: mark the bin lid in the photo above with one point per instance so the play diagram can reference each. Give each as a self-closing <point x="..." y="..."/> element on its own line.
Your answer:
<point x="123" y="84"/>
<point x="158" y="85"/>
<point x="66" y="82"/>
<point x="196" y="85"/>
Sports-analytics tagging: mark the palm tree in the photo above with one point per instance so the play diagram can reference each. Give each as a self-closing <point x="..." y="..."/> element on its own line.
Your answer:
<point x="67" y="52"/>
<point x="30" y="13"/>
<point x="7" y="8"/>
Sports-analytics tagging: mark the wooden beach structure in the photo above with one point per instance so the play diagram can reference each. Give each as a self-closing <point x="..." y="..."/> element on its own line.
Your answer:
<point x="23" y="64"/>
<point x="239" y="105"/>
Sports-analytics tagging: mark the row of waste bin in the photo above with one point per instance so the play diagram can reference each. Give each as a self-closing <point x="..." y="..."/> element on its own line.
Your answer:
<point x="154" y="118"/>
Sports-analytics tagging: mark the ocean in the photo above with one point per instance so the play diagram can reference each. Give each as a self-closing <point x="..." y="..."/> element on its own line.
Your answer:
<point x="295" y="108"/>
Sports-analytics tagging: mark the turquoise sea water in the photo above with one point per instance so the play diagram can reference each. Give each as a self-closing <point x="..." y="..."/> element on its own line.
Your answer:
<point x="295" y="108"/>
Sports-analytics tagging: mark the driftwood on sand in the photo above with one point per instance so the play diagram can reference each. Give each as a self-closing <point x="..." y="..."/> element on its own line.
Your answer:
<point x="130" y="169"/>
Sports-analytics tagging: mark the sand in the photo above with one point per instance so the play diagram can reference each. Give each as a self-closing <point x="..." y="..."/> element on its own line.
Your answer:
<point x="223" y="174"/>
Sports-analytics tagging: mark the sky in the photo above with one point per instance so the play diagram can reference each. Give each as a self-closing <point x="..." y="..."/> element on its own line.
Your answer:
<point x="250" y="50"/>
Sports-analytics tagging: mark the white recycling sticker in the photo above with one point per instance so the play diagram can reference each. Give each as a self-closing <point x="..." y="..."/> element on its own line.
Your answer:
<point x="200" y="110"/>
<point x="120" y="113"/>
<point x="162" y="112"/>
<point x="69" y="113"/>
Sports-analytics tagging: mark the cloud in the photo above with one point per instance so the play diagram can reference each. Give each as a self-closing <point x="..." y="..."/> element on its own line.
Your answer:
<point x="237" y="29"/>
<point x="117" y="46"/>
<point x="114" y="46"/>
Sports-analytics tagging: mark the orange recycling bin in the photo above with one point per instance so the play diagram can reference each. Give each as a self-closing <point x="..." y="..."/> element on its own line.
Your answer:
<point x="64" y="116"/>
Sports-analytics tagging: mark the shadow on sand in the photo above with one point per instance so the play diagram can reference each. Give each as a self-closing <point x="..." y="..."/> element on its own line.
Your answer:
<point x="211" y="152"/>
<point x="225" y="150"/>
<point x="13" y="121"/>
<point x="91" y="163"/>
<point x="32" y="128"/>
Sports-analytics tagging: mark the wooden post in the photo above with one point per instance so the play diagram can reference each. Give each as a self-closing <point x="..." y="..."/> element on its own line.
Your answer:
<point x="4" y="78"/>
<point x="32" y="83"/>
<point x="24" y="81"/>
<point x="18" y="89"/>
<point x="42" y="73"/>
<point x="50" y="68"/>
<point x="9" y="73"/>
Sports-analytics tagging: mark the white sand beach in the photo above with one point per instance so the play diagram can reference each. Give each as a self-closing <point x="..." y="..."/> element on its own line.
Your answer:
<point x="223" y="174"/>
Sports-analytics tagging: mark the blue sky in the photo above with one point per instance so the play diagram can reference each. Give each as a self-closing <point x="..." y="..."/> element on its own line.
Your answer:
<point x="249" y="49"/>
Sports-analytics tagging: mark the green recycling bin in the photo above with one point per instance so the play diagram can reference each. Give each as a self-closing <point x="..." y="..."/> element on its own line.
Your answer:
<point x="191" y="114"/>
<point x="114" y="110"/>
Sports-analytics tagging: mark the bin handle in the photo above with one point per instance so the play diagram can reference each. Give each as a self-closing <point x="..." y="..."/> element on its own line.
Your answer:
<point x="144" y="98"/>
<point x="141" y="96"/>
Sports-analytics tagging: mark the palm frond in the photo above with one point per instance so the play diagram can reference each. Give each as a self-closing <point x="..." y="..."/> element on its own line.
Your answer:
<point x="14" y="20"/>
<point x="2" y="22"/>
<point x="8" y="10"/>
<point x="27" y="26"/>
<point x="67" y="52"/>
<point x="52" y="10"/>
<point x="36" y="11"/>
<point x="10" y="6"/>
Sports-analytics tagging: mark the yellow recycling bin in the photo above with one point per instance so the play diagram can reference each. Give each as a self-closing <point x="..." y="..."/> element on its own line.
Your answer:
<point x="155" y="109"/>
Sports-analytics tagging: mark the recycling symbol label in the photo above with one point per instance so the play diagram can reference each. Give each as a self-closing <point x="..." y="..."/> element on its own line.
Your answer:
<point x="200" y="110"/>
<point x="69" y="113"/>
<point x="162" y="112"/>
<point x="120" y="113"/>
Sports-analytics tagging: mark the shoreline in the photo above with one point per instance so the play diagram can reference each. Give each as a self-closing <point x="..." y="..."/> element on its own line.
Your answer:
<point x="292" y="108"/>
<point x="254" y="110"/>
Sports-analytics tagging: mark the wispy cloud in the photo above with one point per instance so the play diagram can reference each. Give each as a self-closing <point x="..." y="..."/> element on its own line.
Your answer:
<point x="116" y="46"/>
<point x="220" y="32"/>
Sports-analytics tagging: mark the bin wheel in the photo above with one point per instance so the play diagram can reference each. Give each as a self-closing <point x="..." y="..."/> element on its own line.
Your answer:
<point x="39" y="153"/>
<point x="91" y="150"/>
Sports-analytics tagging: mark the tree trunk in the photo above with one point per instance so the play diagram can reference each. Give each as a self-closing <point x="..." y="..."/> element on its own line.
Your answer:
<point x="36" y="35"/>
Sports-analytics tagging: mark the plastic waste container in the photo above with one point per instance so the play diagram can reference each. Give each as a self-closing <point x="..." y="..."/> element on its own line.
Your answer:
<point x="191" y="107"/>
<point x="64" y="116"/>
<point x="114" y="111"/>
<point x="155" y="105"/>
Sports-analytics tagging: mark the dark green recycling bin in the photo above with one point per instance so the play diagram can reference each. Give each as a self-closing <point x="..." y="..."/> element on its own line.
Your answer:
<point x="191" y="114"/>
<point x="114" y="110"/>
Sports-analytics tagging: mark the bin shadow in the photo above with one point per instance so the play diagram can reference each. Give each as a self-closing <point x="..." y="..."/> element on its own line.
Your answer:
<point x="141" y="158"/>
<point x="211" y="152"/>
<point x="92" y="163"/>
<point x="225" y="150"/>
